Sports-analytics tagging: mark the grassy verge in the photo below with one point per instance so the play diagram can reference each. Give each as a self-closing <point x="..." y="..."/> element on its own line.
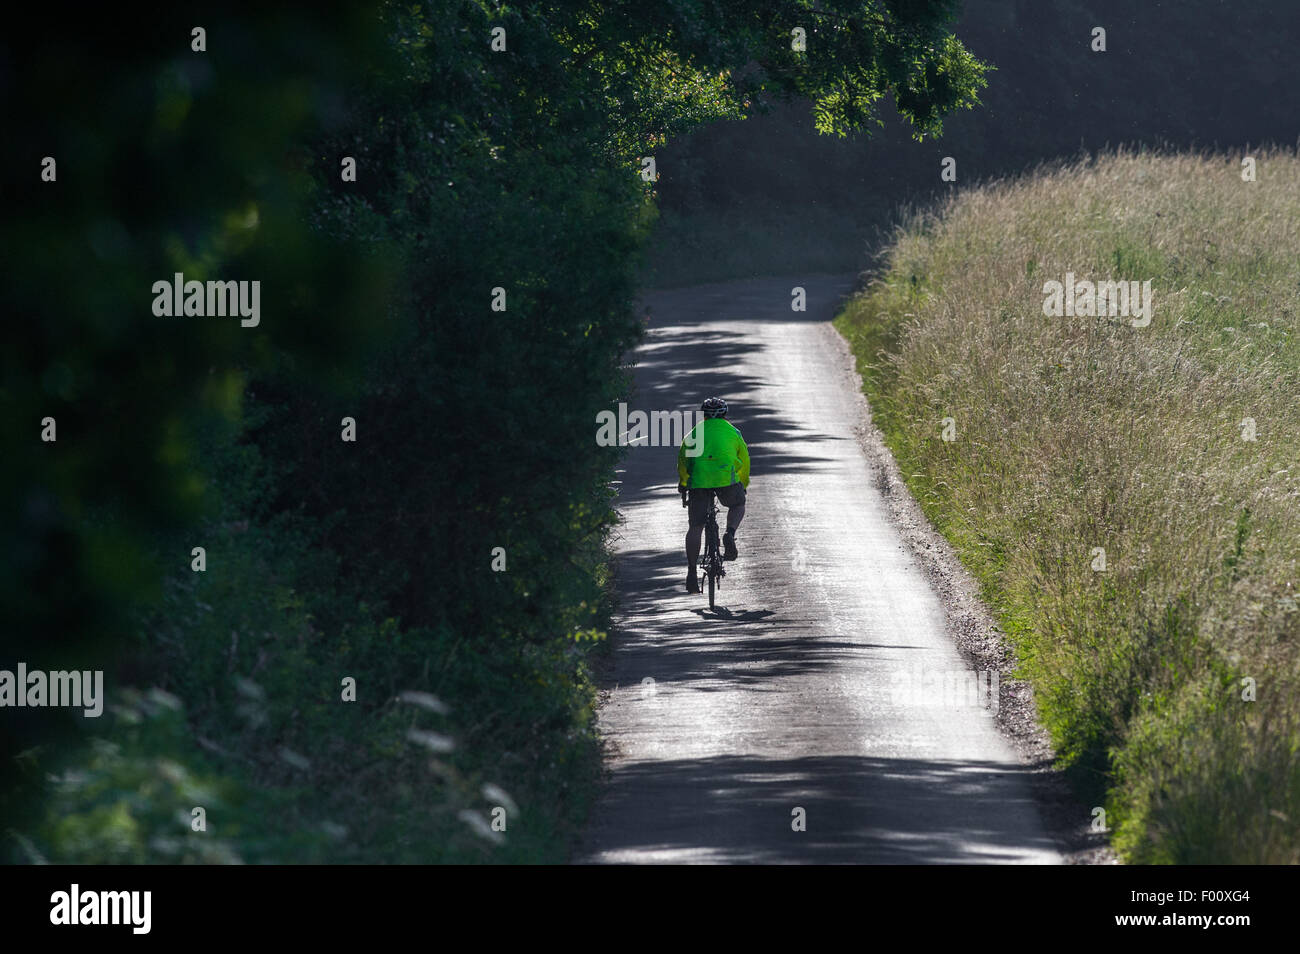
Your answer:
<point x="1128" y="497"/>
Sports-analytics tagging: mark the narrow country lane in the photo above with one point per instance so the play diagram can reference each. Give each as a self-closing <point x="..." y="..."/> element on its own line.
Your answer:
<point x="721" y="724"/>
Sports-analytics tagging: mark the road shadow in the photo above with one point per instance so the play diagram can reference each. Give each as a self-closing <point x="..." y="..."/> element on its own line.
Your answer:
<point x="722" y="613"/>
<point x="676" y="374"/>
<point x="681" y="362"/>
<point x="858" y="810"/>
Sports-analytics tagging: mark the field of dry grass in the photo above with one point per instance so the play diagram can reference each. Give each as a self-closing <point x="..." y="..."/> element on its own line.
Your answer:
<point x="1127" y="495"/>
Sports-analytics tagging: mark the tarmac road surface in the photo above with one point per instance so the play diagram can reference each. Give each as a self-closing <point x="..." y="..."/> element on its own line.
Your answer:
<point x="813" y="686"/>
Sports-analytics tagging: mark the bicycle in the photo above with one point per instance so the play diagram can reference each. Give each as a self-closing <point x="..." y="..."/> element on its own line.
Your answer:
<point x="711" y="558"/>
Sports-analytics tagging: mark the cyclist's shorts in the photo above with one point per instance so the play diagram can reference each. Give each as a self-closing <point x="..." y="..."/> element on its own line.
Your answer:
<point x="698" y="501"/>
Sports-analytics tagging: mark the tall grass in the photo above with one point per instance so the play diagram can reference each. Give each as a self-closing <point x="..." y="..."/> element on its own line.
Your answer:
<point x="1076" y="433"/>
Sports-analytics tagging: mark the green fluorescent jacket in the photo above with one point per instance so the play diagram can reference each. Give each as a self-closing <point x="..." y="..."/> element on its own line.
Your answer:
<point x="713" y="455"/>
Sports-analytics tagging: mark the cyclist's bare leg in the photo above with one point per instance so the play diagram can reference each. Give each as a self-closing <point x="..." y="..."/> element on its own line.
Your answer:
<point x="734" y="516"/>
<point x="693" y="536"/>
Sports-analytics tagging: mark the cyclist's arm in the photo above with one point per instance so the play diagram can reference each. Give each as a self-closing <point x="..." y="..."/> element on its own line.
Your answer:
<point x="683" y="472"/>
<point x="742" y="455"/>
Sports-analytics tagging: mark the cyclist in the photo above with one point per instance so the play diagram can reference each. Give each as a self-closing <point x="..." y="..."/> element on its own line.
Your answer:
<point x="717" y="464"/>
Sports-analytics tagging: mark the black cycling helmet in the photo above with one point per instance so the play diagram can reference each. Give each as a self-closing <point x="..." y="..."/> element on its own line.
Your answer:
<point x="714" y="407"/>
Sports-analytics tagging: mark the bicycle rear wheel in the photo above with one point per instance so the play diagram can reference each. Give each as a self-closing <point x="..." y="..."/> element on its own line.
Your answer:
<point x="712" y="578"/>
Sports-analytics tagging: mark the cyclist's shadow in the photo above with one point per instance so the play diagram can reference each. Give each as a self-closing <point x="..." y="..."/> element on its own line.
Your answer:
<point x="721" y="612"/>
